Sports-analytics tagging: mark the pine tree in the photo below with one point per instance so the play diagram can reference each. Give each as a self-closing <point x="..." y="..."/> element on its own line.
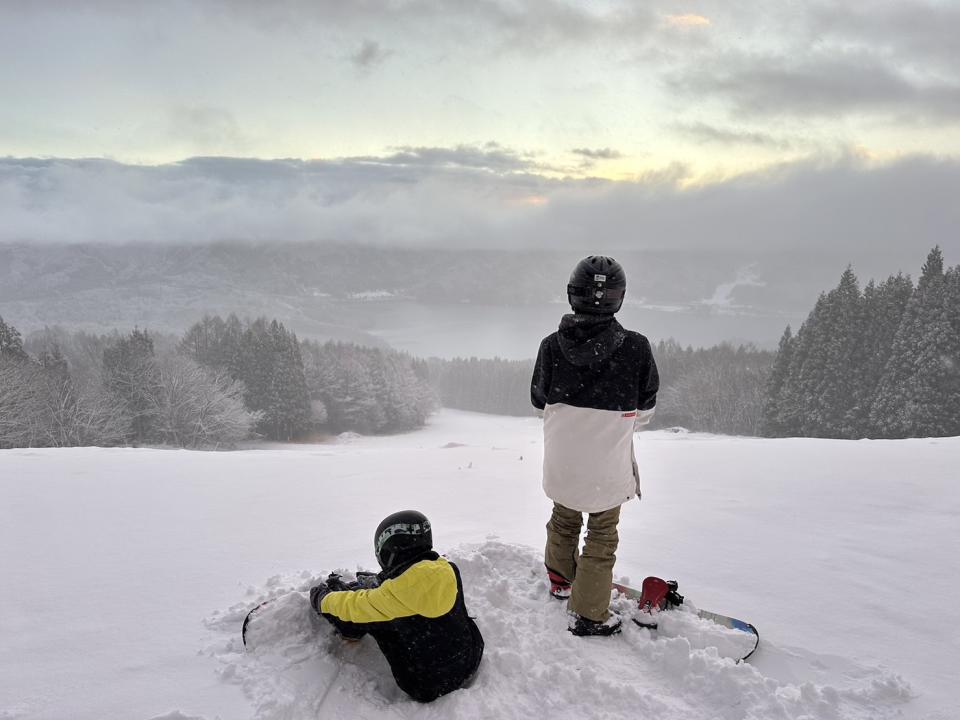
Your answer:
<point x="818" y="398"/>
<point x="918" y="393"/>
<point x="269" y="363"/>
<point x="129" y="372"/>
<point x="844" y="359"/>
<point x="797" y="415"/>
<point x="288" y="409"/>
<point x="358" y="407"/>
<point x="775" y="409"/>
<point x="884" y="306"/>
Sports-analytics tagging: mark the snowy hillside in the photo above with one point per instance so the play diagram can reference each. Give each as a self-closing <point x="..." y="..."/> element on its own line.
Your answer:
<point x="126" y="574"/>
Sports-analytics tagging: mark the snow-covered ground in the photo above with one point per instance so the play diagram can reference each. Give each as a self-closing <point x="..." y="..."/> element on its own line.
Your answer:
<point x="124" y="575"/>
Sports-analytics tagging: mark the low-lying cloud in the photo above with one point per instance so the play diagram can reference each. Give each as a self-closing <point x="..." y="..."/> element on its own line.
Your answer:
<point x="487" y="197"/>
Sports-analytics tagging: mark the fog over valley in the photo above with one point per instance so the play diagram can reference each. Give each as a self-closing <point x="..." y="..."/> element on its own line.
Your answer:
<point x="426" y="301"/>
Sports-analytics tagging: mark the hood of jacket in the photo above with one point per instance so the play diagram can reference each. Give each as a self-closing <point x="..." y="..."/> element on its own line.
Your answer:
<point x="586" y="339"/>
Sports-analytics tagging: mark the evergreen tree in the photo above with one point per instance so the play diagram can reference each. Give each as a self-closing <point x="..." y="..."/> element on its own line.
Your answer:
<point x="775" y="410"/>
<point x="919" y="392"/>
<point x="321" y="371"/>
<point x="288" y="406"/>
<point x="884" y="306"/>
<point x="818" y="396"/>
<point x="799" y="389"/>
<point x="216" y="343"/>
<point x="271" y="368"/>
<point x="404" y="398"/>
<point x="843" y="359"/>
<point x="130" y="374"/>
<point x="357" y="405"/>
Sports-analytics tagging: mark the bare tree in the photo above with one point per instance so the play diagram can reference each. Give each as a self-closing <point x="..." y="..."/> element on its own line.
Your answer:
<point x="21" y="403"/>
<point x="198" y="407"/>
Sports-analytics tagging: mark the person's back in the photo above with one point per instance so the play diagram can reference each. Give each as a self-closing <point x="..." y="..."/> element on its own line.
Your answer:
<point x="595" y="382"/>
<point x="416" y="612"/>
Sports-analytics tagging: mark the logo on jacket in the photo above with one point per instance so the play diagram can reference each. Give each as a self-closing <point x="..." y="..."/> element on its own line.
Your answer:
<point x="630" y="414"/>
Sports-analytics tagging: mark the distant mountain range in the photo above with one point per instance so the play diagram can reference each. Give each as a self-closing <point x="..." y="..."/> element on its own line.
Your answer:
<point x="429" y="301"/>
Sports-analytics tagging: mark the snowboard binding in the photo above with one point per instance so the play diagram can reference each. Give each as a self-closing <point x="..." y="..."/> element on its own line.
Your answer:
<point x="657" y="594"/>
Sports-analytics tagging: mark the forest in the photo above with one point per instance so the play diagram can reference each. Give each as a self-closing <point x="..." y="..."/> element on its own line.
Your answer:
<point x="223" y="381"/>
<point x="882" y="362"/>
<point x="878" y="362"/>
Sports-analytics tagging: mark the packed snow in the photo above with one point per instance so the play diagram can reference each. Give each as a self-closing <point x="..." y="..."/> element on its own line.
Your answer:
<point x="127" y="574"/>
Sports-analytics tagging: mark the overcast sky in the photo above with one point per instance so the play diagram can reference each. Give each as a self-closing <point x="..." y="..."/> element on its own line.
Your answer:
<point x="717" y="123"/>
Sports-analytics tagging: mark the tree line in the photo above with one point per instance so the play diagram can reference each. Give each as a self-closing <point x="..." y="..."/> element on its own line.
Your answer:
<point x="879" y="362"/>
<point x="883" y="362"/>
<point x="718" y="389"/>
<point x="223" y="381"/>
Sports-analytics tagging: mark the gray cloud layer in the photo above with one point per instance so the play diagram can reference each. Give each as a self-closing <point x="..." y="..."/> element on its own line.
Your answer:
<point x="704" y="133"/>
<point x="828" y="84"/>
<point x="895" y="61"/>
<point x="597" y="153"/>
<point x="881" y="217"/>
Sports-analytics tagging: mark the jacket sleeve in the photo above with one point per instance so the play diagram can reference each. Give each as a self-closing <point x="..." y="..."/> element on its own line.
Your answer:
<point x="428" y="588"/>
<point x="540" y="383"/>
<point x="649" y="385"/>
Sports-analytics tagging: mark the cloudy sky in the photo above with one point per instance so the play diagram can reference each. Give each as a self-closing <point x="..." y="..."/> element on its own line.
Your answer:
<point x="719" y="123"/>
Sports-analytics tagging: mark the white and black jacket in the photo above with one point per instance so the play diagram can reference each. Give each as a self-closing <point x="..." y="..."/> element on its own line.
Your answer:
<point x="594" y="382"/>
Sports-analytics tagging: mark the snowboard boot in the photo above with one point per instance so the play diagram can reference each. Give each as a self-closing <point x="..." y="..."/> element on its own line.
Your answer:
<point x="585" y="627"/>
<point x="559" y="585"/>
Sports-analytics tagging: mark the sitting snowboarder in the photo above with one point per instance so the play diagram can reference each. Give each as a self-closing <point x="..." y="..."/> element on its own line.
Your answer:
<point x="414" y="609"/>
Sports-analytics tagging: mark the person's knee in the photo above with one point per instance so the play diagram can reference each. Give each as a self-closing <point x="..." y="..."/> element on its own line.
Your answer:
<point x="603" y="534"/>
<point x="601" y="544"/>
<point x="563" y="524"/>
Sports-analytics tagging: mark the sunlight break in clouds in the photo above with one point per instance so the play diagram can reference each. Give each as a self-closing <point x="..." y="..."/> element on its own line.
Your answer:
<point x="688" y="20"/>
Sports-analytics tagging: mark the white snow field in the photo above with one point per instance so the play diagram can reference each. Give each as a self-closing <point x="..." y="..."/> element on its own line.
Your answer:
<point x="125" y="575"/>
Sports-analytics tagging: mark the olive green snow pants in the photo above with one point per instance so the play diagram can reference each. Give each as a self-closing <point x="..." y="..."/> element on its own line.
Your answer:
<point x="590" y="571"/>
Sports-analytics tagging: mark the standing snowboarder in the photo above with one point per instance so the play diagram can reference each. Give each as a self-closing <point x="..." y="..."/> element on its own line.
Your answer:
<point x="414" y="609"/>
<point x="595" y="382"/>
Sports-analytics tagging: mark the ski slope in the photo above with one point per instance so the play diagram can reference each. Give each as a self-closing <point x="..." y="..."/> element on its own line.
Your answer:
<point x="126" y="574"/>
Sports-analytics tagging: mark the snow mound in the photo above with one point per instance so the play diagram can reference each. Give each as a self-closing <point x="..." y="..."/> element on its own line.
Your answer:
<point x="296" y="667"/>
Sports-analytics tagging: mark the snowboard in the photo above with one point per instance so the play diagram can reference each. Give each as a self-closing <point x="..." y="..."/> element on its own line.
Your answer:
<point x="275" y="612"/>
<point x="656" y="619"/>
<point x="285" y="608"/>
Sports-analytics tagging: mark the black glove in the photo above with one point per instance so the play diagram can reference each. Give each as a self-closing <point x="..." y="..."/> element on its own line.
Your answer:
<point x="367" y="580"/>
<point x="335" y="583"/>
<point x="317" y="594"/>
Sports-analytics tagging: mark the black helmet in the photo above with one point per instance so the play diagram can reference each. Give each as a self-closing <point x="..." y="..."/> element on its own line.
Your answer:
<point x="597" y="285"/>
<point x="401" y="537"/>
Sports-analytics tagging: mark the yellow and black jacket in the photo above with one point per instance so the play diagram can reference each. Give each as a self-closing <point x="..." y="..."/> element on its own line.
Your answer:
<point x="418" y="617"/>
